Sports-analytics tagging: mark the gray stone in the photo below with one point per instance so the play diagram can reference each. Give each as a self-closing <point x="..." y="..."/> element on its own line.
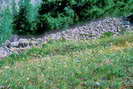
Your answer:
<point x="39" y="41"/>
<point x="14" y="44"/>
<point x="23" y="43"/>
<point x="5" y="87"/>
<point x="4" y="52"/>
<point x="33" y="43"/>
<point x="7" y="44"/>
<point x="14" y="38"/>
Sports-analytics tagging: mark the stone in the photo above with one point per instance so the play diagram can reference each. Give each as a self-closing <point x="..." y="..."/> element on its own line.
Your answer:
<point x="14" y="44"/>
<point x="7" y="43"/>
<point x="39" y="41"/>
<point x="14" y="38"/>
<point x="5" y="87"/>
<point x="4" y="52"/>
<point x="23" y="43"/>
<point x="33" y="43"/>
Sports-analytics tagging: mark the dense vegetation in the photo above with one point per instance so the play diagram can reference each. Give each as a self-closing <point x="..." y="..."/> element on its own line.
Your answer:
<point x="57" y="14"/>
<point x="104" y="63"/>
<point x="62" y="13"/>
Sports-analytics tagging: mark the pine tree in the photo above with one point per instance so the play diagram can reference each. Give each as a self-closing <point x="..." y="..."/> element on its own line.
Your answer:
<point x="42" y="23"/>
<point x="21" y="24"/>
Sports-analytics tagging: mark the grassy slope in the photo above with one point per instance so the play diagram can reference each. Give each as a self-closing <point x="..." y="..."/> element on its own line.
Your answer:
<point x="105" y="63"/>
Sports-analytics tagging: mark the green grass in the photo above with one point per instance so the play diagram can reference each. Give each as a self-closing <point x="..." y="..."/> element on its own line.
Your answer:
<point x="105" y="63"/>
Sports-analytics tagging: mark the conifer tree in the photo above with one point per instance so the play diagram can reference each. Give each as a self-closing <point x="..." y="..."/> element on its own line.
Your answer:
<point x="21" y="24"/>
<point x="41" y="23"/>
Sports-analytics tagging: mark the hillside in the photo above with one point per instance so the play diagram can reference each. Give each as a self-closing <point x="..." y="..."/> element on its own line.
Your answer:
<point x="104" y="63"/>
<point x="66" y="44"/>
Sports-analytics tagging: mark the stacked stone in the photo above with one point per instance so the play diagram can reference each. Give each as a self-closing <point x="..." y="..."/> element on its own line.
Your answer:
<point x="17" y="45"/>
<point x="90" y="30"/>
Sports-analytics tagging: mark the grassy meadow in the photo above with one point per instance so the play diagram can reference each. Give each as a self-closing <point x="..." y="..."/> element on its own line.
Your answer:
<point x="105" y="63"/>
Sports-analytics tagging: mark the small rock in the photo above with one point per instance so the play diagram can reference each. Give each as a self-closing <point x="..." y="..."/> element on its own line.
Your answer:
<point x="7" y="44"/>
<point x="14" y="38"/>
<point x="4" y="52"/>
<point x="14" y="44"/>
<point x="78" y="60"/>
<point x="23" y="40"/>
<point x="98" y="84"/>
<point x="4" y="87"/>
<point x="39" y="41"/>
<point x="33" y="43"/>
<point x="23" y="43"/>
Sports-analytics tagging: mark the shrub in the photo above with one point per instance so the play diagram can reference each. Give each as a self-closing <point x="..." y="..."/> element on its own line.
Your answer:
<point x="5" y="25"/>
<point x="54" y="15"/>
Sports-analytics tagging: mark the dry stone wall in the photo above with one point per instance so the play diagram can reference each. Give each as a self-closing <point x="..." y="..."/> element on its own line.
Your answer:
<point x="86" y="31"/>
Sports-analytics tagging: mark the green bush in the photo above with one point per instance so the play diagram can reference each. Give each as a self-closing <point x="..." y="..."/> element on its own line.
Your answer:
<point x="54" y="15"/>
<point x="5" y="25"/>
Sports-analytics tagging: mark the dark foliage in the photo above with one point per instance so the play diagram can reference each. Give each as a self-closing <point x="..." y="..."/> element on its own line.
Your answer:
<point x="80" y="10"/>
<point x="21" y="24"/>
<point x="57" y="14"/>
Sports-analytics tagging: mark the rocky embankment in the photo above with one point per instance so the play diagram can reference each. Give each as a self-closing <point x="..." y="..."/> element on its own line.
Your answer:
<point x="90" y="30"/>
